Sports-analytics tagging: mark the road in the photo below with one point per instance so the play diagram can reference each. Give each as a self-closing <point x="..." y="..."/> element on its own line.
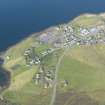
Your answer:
<point x="56" y="77"/>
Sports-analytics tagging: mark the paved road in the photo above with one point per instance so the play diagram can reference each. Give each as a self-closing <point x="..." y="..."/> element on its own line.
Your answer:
<point x="56" y="77"/>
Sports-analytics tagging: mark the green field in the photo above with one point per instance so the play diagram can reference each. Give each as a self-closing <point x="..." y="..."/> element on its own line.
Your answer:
<point x="22" y="89"/>
<point x="84" y="68"/>
<point x="30" y="94"/>
<point x="87" y="20"/>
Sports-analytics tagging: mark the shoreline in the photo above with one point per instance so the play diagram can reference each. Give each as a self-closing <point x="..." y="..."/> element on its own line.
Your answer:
<point x="43" y="30"/>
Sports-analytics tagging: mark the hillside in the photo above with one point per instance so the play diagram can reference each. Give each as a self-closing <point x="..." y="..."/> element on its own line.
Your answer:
<point x="62" y="65"/>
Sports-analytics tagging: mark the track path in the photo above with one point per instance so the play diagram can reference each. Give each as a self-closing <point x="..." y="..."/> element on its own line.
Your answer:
<point x="56" y="77"/>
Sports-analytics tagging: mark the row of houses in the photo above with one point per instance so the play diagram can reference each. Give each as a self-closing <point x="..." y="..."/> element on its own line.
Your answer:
<point x="31" y="57"/>
<point x="44" y="78"/>
<point x="47" y="51"/>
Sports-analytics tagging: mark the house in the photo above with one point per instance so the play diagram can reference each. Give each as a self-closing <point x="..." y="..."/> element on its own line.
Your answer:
<point x="38" y="76"/>
<point x="1" y="98"/>
<point x="58" y="28"/>
<point x="72" y="42"/>
<point x="78" y="43"/>
<point x="57" y="44"/>
<point x="50" y="50"/>
<point x="41" y="70"/>
<point x="27" y="50"/>
<point x="70" y="29"/>
<point x="32" y="62"/>
<point x="37" y="60"/>
<point x="44" y="53"/>
<point x="84" y="32"/>
<point x="66" y="83"/>
<point x="48" y="73"/>
<point x="50" y="85"/>
<point x="46" y="85"/>
<point x="93" y="30"/>
<point x="47" y="78"/>
<point x="37" y="81"/>
<point x="8" y="57"/>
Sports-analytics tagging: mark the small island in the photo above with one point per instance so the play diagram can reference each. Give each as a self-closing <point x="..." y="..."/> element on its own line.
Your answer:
<point x="62" y="65"/>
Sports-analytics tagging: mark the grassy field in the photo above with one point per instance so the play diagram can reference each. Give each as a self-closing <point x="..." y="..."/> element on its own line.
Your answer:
<point x="51" y="60"/>
<point x="87" y="20"/>
<point x="22" y="89"/>
<point x="84" y="68"/>
<point x="30" y="94"/>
